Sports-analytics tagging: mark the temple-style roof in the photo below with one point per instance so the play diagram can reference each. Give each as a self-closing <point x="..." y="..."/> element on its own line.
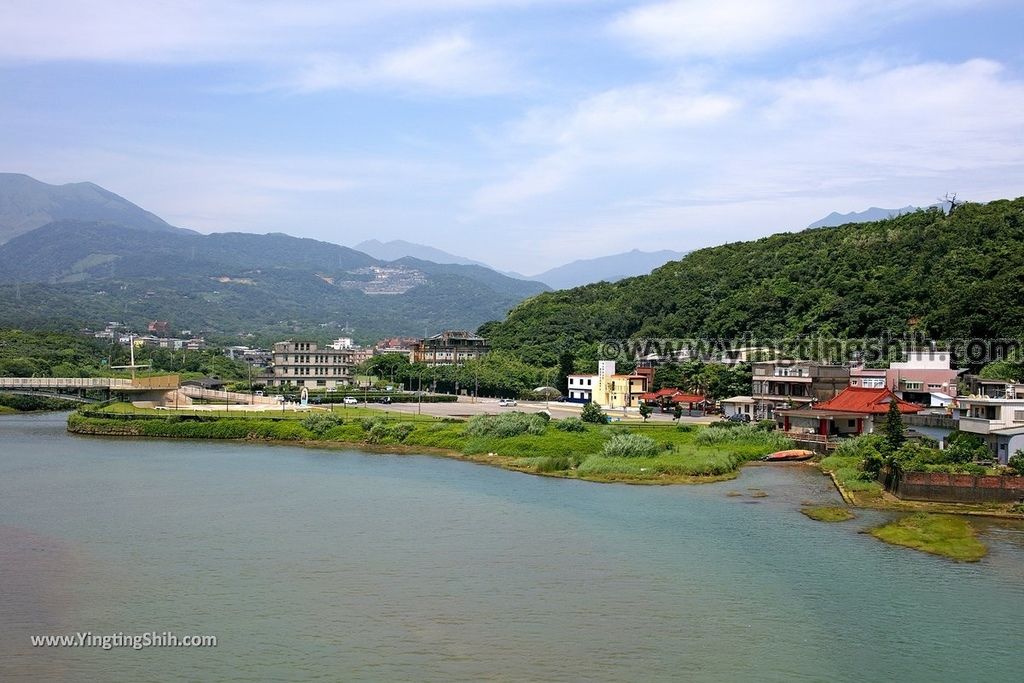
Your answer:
<point x="866" y="401"/>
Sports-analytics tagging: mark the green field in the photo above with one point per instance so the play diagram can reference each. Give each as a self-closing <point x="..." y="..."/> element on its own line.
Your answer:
<point x="662" y="453"/>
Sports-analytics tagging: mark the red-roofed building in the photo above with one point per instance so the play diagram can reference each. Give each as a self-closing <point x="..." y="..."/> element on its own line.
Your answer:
<point x="854" y="410"/>
<point x="667" y="397"/>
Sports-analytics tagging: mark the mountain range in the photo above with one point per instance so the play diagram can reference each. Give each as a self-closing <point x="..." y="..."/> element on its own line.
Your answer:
<point x="604" y="268"/>
<point x="26" y="204"/>
<point x="874" y="213"/>
<point x="77" y="255"/>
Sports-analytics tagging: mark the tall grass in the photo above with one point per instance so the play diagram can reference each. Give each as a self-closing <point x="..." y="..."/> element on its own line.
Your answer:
<point x="630" y="446"/>
<point x="506" y="425"/>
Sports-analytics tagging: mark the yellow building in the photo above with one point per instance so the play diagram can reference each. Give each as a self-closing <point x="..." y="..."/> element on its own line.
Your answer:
<point x="612" y="390"/>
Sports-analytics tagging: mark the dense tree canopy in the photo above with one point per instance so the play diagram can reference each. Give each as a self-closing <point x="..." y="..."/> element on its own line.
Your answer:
<point x="957" y="276"/>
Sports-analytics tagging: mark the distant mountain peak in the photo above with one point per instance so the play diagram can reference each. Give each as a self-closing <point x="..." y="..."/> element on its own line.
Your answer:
<point x="873" y="213"/>
<point x="609" y="268"/>
<point x="27" y="203"/>
<point x="394" y="250"/>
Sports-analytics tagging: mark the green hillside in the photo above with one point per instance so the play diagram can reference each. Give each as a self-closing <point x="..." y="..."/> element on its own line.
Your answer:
<point x="72" y="273"/>
<point x="957" y="276"/>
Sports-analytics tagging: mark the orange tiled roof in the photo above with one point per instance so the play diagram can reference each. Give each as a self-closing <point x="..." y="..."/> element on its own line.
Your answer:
<point x="867" y="401"/>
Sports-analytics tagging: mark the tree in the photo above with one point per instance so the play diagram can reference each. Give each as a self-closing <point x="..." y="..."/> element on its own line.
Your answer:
<point x="645" y="411"/>
<point x="1016" y="462"/>
<point x="894" y="426"/>
<point x="592" y="412"/>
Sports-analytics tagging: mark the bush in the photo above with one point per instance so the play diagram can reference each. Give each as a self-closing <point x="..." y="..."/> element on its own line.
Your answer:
<point x="321" y="423"/>
<point x="1016" y="463"/>
<point x="367" y="423"/>
<point x="553" y="463"/>
<point x="382" y="432"/>
<point x="630" y="446"/>
<point x="592" y="412"/>
<point x="685" y="428"/>
<point x="719" y="434"/>
<point x="964" y="447"/>
<point x="570" y="424"/>
<point x="506" y="425"/>
<point x="765" y="425"/>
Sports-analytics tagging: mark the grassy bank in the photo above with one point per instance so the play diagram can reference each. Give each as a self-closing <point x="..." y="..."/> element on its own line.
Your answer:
<point x="826" y="513"/>
<point x="22" y="403"/>
<point x="642" y="453"/>
<point x="945" y="535"/>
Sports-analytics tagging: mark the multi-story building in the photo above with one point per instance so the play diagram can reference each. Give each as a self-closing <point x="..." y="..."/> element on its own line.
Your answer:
<point x="780" y="384"/>
<point x="304" y="364"/>
<point x="403" y="345"/>
<point x="451" y="347"/>
<point x="925" y="377"/>
<point x="608" y="388"/>
<point x="998" y="419"/>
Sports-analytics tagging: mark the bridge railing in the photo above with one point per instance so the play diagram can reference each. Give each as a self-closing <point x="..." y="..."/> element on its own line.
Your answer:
<point x="116" y="383"/>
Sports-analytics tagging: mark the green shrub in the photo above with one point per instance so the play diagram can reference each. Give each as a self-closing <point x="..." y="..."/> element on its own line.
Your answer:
<point x="321" y="423"/>
<point x="765" y="425"/>
<point x="685" y="428"/>
<point x="367" y="423"/>
<point x="737" y="434"/>
<point x="630" y="446"/>
<point x="570" y="424"/>
<point x="964" y="447"/>
<point x="553" y="463"/>
<point x="1016" y="463"/>
<point x="382" y="432"/>
<point x="591" y="412"/>
<point x="506" y="425"/>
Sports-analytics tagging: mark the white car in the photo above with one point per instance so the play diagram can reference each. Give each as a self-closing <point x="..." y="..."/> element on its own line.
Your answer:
<point x="350" y="400"/>
<point x="507" y="402"/>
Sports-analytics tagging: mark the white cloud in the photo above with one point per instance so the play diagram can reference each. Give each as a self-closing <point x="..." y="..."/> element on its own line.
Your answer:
<point x="445" y="64"/>
<point x="739" y="28"/>
<point x="656" y="164"/>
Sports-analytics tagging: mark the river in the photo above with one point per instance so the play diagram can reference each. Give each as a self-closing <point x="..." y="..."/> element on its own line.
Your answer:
<point x="340" y="565"/>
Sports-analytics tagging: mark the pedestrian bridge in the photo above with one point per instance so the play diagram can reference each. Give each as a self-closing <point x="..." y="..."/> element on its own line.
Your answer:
<point x="139" y="384"/>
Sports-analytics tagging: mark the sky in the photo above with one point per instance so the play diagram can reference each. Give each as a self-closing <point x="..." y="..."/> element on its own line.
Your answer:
<point x="521" y="133"/>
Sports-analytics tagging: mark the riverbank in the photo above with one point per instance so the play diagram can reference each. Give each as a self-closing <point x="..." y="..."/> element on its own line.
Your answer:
<point x="568" y="448"/>
<point x="858" y="491"/>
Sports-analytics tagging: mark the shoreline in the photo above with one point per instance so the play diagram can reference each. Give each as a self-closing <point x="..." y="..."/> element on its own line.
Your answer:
<point x="504" y="462"/>
<point x="875" y="501"/>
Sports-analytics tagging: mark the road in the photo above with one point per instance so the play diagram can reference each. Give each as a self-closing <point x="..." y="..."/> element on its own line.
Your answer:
<point x="465" y="407"/>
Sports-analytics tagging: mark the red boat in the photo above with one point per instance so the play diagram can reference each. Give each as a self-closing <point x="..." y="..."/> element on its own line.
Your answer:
<point x="790" y="455"/>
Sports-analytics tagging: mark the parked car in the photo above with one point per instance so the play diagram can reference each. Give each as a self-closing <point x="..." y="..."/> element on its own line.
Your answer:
<point x="350" y="400"/>
<point x="505" y="402"/>
<point x="738" y="417"/>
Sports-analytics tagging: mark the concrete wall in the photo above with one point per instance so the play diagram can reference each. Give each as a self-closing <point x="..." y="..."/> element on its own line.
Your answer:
<point x="954" y="488"/>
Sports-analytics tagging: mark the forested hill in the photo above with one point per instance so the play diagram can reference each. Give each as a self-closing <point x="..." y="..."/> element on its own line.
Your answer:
<point x="952" y="276"/>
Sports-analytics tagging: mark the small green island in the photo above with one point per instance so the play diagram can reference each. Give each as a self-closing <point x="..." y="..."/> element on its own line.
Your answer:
<point x="827" y="513"/>
<point x="947" y="535"/>
<point x="526" y="442"/>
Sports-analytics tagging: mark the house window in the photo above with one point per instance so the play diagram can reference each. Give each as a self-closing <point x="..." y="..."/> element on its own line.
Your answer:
<point x="873" y="382"/>
<point x="1018" y="416"/>
<point x="851" y="423"/>
<point x="912" y="386"/>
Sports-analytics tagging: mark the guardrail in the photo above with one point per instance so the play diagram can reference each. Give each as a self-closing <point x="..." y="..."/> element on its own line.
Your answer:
<point x="115" y="383"/>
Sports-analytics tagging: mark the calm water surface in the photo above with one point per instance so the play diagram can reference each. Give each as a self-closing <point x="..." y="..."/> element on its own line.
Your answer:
<point x="338" y="565"/>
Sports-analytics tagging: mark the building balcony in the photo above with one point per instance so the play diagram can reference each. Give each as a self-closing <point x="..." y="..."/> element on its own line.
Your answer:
<point x="980" y="425"/>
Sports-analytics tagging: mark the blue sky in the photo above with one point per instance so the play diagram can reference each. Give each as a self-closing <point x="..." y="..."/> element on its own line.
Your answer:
<point x="521" y="133"/>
